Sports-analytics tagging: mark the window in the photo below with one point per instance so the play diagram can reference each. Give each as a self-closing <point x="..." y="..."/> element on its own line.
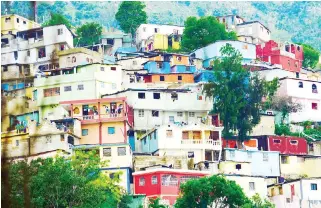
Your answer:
<point x="169" y="133"/>
<point x="156" y="95"/>
<point x="67" y="88"/>
<point x="298" y="48"/>
<point x="8" y="19"/>
<point x="232" y="154"/>
<point x="171" y="119"/>
<point x="107" y="152"/>
<point x="159" y="65"/>
<point x="314" y="88"/>
<point x="314" y="186"/>
<point x="141" y="181"/>
<point x="179" y="78"/>
<point x="156" y="30"/>
<point x="276" y="141"/>
<point x="174" y="96"/>
<point x="110" y="41"/>
<point x="102" y="69"/>
<point x="288" y="200"/>
<point x="289" y="63"/>
<point x="251" y="186"/>
<point x="111" y="130"/>
<point x="161" y="78"/>
<point x="294" y="142"/>
<point x="15" y="53"/>
<point x="5" y="68"/>
<point x="42" y="52"/>
<point x="169" y="180"/>
<point x="249" y="155"/>
<point x="84" y="132"/>
<point x="28" y="52"/>
<point x="179" y="58"/>
<point x="315" y="106"/>
<point x="60" y="31"/>
<point x="80" y="87"/>
<point x="121" y="151"/>
<point x="140" y="113"/>
<point x="284" y="159"/>
<point x="62" y="138"/>
<point x="141" y="95"/>
<point x="296" y="65"/>
<point x="154" y="180"/>
<point x="300" y="84"/>
<point x="113" y="68"/>
<point x="24" y="22"/>
<point x="297" y="75"/>
<point x="265" y="157"/>
<point x="155" y="113"/>
<point x="185" y="135"/>
<point x="73" y="59"/>
<point x="311" y="147"/>
<point x="51" y="92"/>
<point x="179" y="114"/>
<point x="191" y="114"/>
<point x="10" y="32"/>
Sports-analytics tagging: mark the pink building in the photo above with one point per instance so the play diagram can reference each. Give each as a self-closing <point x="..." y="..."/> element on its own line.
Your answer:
<point x="103" y="121"/>
<point x="163" y="182"/>
<point x="288" y="55"/>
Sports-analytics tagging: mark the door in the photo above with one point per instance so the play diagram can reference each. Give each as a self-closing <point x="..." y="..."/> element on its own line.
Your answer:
<point x="85" y="109"/>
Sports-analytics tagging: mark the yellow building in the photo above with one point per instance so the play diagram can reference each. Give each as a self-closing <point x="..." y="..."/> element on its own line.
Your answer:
<point x="293" y="166"/>
<point x="163" y="42"/>
<point x="12" y="23"/>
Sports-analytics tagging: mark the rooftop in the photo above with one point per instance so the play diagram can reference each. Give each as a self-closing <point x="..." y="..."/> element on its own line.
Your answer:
<point x="251" y="22"/>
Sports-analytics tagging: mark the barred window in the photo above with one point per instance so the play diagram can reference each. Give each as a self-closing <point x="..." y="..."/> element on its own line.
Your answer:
<point x="154" y="179"/>
<point x="169" y="180"/>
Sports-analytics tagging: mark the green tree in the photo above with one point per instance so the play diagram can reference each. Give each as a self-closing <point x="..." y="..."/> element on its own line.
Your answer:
<point x="130" y="15"/>
<point x="257" y="202"/>
<point x="58" y="182"/>
<point x="207" y="191"/>
<point x="125" y="201"/>
<point x="57" y="19"/>
<point x="285" y="106"/>
<point x="203" y="31"/>
<point x="155" y="203"/>
<point x="311" y="56"/>
<point x="238" y="96"/>
<point x="88" y="34"/>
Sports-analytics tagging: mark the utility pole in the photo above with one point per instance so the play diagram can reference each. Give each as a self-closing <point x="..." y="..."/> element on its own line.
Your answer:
<point x="34" y="3"/>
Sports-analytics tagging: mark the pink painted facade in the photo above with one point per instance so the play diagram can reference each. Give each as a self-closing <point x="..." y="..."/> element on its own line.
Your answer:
<point x="289" y="56"/>
<point x="163" y="182"/>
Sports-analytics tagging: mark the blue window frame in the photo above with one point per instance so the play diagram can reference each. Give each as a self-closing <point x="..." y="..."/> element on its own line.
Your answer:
<point x="111" y="130"/>
<point x="314" y="186"/>
<point x="84" y="132"/>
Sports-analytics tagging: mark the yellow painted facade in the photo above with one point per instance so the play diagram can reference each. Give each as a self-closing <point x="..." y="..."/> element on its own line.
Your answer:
<point x="185" y="78"/>
<point x="229" y="167"/>
<point x="14" y="23"/>
<point x="180" y="60"/>
<point x="160" y="42"/>
<point x="296" y="166"/>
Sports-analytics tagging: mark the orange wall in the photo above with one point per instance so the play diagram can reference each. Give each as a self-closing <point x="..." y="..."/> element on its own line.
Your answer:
<point x="184" y="60"/>
<point x="93" y="134"/>
<point x="113" y="138"/>
<point x="156" y="58"/>
<point x="186" y="78"/>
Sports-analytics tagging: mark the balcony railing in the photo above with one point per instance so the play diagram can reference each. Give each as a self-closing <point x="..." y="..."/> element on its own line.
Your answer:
<point x="201" y="141"/>
<point x="104" y="116"/>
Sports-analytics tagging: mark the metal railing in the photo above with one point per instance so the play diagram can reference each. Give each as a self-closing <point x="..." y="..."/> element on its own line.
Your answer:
<point x="201" y="141"/>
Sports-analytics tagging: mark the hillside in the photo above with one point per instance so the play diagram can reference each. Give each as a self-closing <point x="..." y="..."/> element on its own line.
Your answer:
<point x="293" y="21"/>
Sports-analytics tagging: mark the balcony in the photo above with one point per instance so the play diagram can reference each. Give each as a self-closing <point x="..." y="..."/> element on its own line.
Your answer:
<point x="206" y="143"/>
<point x="97" y="118"/>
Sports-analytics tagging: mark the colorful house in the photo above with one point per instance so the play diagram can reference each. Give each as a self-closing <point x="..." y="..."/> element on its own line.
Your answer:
<point x="12" y="23"/>
<point x="288" y="55"/>
<point x="296" y="166"/>
<point x="103" y="121"/>
<point x="163" y="182"/>
<point x="160" y="42"/>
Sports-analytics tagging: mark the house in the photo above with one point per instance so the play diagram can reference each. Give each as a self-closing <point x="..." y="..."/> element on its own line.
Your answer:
<point x="160" y="42"/>
<point x="251" y="185"/>
<point x="299" y="193"/>
<point x="198" y="141"/>
<point x="13" y="23"/>
<point x="119" y="161"/>
<point x="144" y="31"/>
<point x="163" y="182"/>
<point x="103" y="121"/>
<point x="314" y="147"/>
<point x="296" y="166"/>
<point x="211" y="52"/>
<point x="263" y="163"/>
<point x="142" y="160"/>
<point x="253" y="32"/>
<point x="230" y="21"/>
<point x="41" y="141"/>
<point x="288" y="55"/>
<point x="80" y="83"/>
<point x="154" y="107"/>
<point x="305" y="92"/>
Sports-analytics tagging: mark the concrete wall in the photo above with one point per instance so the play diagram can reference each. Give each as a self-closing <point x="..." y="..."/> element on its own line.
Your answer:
<point x="14" y="26"/>
<point x="255" y="30"/>
<point x="265" y="127"/>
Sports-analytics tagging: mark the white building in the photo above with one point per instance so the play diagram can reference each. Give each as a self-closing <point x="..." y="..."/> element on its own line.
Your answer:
<point x="81" y="83"/>
<point x="305" y="92"/>
<point x="253" y="32"/>
<point x="300" y="193"/>
<point x="154" y="107"/>
<point x="12" y="23"/>
<point x="144" y="31"/>
<point x="230" y="21"/>
<point x="198" y="141"/>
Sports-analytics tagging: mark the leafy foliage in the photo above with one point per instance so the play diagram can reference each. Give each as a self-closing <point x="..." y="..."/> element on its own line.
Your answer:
<point x="57" y="182"/>
<point x="257" y="202"/>
<point x="203" y="31"/>
<point x="206" y="191"/>
<point x="311" y="56"/>
<point x="57" y="19"/>
<point x="285" y="105"/>
<point x="155" y="203"/>
<point x="237" y="95"/>
<point x="130" y="15"/>
<point x="88" y="34"/>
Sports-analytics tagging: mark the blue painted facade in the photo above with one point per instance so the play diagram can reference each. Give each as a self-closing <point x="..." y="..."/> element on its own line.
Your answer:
<point x="149" y="143"/>
<point x="131" y="140"/>
<point x="9" y="87"/>
<point x="183" y="69"/>
<point x="153" y="67"/>
<point x="23" y="119"/>
<point x="263" y="163"/>
<point x="204" y="76"/>
<point x="212" y="51"/>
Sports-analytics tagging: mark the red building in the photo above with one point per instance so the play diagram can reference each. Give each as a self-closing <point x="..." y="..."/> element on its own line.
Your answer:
<point x="163" y="182"/>
<point x="288" y="55"/>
